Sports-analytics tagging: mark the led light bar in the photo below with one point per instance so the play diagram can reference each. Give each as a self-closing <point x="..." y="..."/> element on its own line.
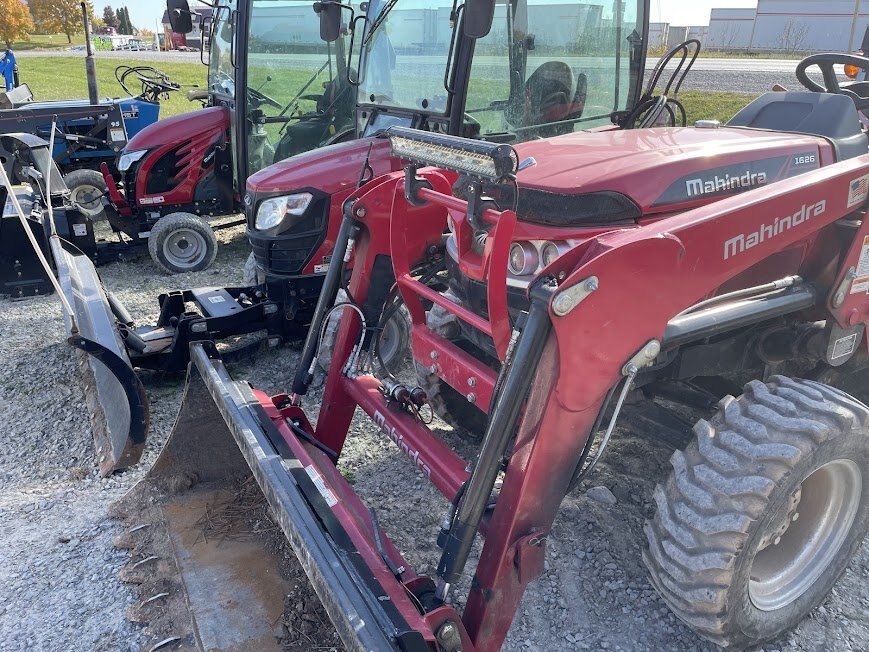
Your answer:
<point x="486" y="161"/>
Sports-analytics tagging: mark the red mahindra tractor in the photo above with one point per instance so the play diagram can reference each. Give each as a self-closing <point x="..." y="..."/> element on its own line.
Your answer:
<point x="723" y="266"/>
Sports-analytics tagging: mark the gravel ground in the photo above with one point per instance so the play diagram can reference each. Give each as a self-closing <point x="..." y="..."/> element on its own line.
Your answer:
<point x="59" y="574"/>
<point x="60" y="570"/>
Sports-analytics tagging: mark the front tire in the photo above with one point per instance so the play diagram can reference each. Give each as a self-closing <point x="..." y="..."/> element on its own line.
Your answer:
<point x="763" y="510"/>
<point x="182" y="242"/>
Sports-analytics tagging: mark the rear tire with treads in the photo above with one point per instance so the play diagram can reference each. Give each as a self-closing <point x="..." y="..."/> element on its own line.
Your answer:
<point x="763" y="510"/>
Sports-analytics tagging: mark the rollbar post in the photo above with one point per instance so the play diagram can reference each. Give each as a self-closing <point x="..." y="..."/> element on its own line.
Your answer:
<point x="305" y="370"/>
<point x="499" y="432"/>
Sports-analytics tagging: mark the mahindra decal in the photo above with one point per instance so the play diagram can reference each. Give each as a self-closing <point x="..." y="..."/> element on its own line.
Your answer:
<point x="779" y="226"/>
<point x="714" y="185"/>
<point x="725" y="180"/>
<point x="398" y="439"/>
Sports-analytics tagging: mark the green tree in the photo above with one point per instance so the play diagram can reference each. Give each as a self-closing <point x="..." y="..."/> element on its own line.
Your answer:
<point x="16" y="23"/>
<point x="126" y="27"/>
<point x="110" y="18"/>
<point x="64" y="16"/>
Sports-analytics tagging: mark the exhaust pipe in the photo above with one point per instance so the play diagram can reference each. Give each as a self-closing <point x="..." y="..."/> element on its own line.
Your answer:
<point x="89" y="62"/>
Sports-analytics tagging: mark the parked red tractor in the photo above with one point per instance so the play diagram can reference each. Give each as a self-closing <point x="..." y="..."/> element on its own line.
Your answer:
<point x="579" y="270"/>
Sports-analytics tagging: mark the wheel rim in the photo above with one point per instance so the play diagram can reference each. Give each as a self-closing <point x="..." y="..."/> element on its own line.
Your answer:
<point x="87" y="198"/>
<point x="816" y="526"/>
<point x="389" y="341"/>
<point x="185" y="248"/>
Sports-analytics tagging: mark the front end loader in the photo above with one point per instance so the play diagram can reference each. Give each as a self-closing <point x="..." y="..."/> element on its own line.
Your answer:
<point x="734" y="282"/>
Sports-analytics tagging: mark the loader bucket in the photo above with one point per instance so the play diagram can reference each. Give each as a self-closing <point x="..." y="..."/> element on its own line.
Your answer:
<point x="223" y="592"/>
<point x="115" y="395"/>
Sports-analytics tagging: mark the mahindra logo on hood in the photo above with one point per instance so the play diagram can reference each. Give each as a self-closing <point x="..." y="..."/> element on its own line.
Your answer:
<point x="699" y="187"/>
<point x="780" y="225"/>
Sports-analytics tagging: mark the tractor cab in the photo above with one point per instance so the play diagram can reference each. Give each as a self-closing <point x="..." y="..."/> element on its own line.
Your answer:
<point x="542" y="69"/>
<point x="297" y="94"/>
<point x="534" y="69"/>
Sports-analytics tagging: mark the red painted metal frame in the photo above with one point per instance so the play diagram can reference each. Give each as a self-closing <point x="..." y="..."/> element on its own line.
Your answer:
<point x="654" y="271"/>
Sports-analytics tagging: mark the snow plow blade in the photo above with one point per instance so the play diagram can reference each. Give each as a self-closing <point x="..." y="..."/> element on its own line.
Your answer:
<point x="115" y="395"/>
<point x="230" y="593"/>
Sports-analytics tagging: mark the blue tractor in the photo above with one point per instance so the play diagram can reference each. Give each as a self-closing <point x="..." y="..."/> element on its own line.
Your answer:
<point x="89" y="133"/>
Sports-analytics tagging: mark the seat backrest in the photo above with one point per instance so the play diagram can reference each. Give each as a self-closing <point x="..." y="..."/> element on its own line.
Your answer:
<point x="830" y="116"/>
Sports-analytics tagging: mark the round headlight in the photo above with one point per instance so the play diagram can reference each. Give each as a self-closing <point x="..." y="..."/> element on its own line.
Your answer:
<point x="523" y="258"/>
<point x="549" y="253"/>
<point x="273" y="211"/>
<point x="129" y="158"/>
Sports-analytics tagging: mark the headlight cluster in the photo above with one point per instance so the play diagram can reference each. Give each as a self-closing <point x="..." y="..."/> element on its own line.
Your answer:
<point x="531" y="256"/>
<point x="129" y="158"/>
<point x="273" y="211"/>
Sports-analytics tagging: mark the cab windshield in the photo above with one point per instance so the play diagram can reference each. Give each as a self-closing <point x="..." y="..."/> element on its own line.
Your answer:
<point x="298" y="97"/>
<point x="551" y="67"/>
<point x="406" y="47"/>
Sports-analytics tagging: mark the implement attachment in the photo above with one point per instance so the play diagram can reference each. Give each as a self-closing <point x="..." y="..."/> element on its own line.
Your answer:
<point x="116" y="397"/>
<point x="224" y="431"/>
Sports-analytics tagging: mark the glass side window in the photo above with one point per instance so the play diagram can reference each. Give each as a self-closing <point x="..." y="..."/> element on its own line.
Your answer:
<point x="221" y="74"/>
<point x="549" y="68"/>
<point x="405" y="55"/>
<point x="298" y="97"/>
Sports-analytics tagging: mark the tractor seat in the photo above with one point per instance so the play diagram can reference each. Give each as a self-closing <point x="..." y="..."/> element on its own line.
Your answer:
<point x="549" y="92"/>
<point x="829" y="116"/>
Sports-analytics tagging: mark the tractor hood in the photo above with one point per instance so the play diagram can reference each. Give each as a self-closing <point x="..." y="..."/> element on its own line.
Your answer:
<point x="647" y="171"/>
<point x="328" y="169"/>
<point x="179" y="128"/>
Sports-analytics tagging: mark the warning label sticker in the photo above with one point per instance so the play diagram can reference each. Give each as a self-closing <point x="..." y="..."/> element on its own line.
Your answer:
<point x="217" y="299"/>
<point x="80" y="230"/>
<point x="860" y="285"/>
<point x="321" y="269"/>
<point x="844" y="346"/>
<point x="321" y="486"/>
<point x="118" y="136"/>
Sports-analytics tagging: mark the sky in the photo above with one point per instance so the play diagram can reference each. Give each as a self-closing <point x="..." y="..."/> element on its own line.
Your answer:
<point x="145" y="13"/>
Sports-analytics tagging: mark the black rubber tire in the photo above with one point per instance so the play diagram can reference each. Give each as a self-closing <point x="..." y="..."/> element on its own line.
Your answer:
<point x="731" y="488"/>
<point x="252" y="274"/>
<point x="84" y="184"/>
<point x="168" y="227"/>
<point x="394" y="345"/>
<point x="467" y="419"/>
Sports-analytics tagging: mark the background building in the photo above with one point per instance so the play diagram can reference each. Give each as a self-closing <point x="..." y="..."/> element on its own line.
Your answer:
<point x="790" y="26"/>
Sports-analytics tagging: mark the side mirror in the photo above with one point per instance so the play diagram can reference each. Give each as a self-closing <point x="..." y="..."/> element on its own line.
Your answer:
<point x="180" y="16"/>
<point x="330" y="19"/>
<point x="478" y="17"/>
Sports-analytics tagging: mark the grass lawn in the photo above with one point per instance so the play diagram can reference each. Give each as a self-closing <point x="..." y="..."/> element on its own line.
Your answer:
<point x="64" y="77"/>
<point x="48" y="42"/>
<point x="56" y="78"/>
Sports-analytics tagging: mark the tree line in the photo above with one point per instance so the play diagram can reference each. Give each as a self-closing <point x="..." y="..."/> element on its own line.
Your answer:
<point x="21" y="19"/>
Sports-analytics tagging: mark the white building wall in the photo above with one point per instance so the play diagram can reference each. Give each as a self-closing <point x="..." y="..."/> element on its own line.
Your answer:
<point x="700" y="32"/>
<point x="658" y="34"/>
<point x="676" y="36"/>
<point x="730" y="29"/>
<point x="808" y="25"/>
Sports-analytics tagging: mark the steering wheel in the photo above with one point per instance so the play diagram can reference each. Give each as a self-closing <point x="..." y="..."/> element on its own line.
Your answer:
<point x="154" y="83"/>
<point x="825" y="62"/>
<point x="262" y="98"/>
